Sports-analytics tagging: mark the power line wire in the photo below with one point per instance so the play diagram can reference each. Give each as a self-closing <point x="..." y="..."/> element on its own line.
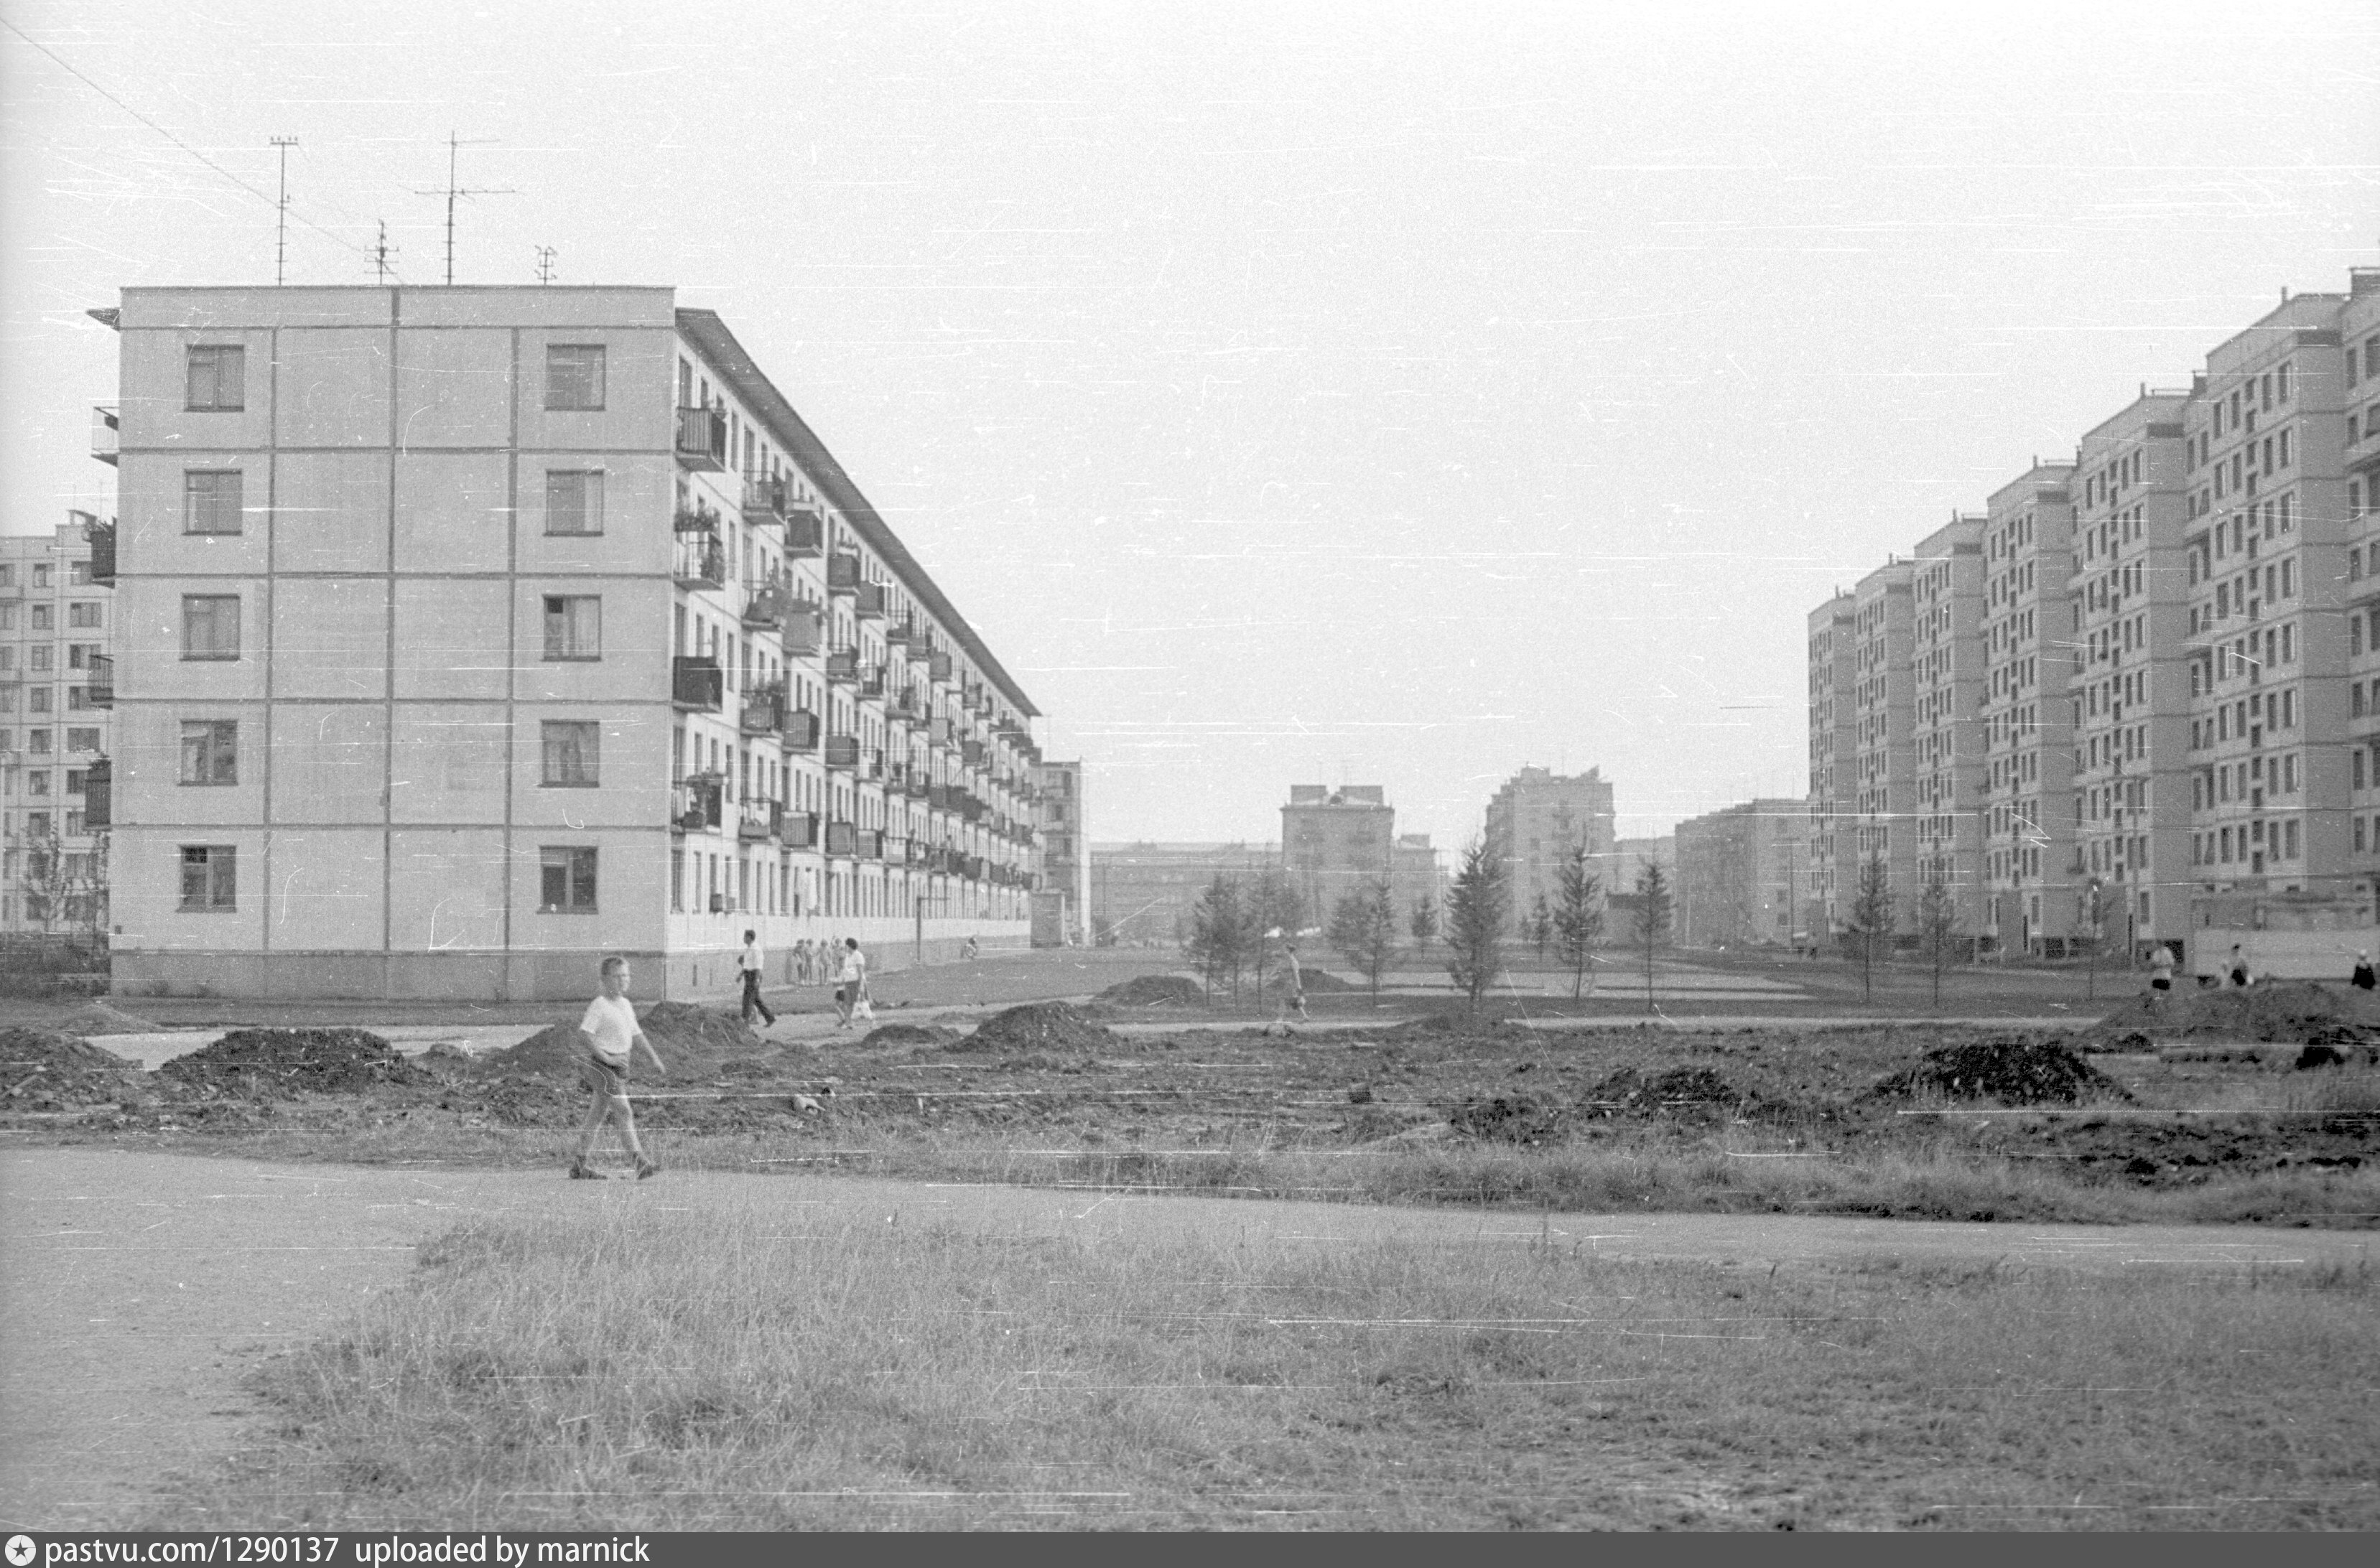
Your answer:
<point x="68" y="67"/>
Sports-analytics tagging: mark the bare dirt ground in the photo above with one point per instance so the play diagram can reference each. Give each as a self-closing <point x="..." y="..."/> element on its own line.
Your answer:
<point x="142" y="1288"/>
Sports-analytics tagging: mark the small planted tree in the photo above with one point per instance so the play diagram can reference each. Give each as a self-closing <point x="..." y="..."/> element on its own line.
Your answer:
<point x="1938" y="921"/>
<point x="1274" y="911"/>
<point x="1578" y="918"/>
<point x="1653" y="909"/>
<point x="1424" y="925"/>
<point x="1475" y="918"/>
<point x="1219" y="934"/>
<point x="1872" y="913"/>
<point x="1364" y="930"/>
<point x="2089" y="935"/>
<point x="1541" y="926"/>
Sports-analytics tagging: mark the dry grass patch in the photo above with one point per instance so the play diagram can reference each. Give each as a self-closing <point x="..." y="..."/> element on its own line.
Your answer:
<point x="781" y="1362"/>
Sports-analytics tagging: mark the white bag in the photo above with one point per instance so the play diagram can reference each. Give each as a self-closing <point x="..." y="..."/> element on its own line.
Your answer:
<point x="864" y="1008"/>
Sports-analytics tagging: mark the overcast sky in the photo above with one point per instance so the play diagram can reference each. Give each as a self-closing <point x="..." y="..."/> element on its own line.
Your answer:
<point x="1288" y="393"/>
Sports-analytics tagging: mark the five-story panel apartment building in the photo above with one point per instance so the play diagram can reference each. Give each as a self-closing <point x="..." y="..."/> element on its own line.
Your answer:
<point x="471" y="633"/>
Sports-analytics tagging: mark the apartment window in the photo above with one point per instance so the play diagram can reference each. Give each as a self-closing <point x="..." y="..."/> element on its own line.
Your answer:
<point x="574" y="626"/>
<point x="210" y="500"/>
<point x="42" y="655"/>
<point x="79" y="573"/>
<point x="574" y="376"/>
<point x="37" y="783"/>
<point x="218" y="378"/>
<point x="42" y="577"/>
<point x="210" y="750"/>
<point x="43" y="620"/>
<point x="77" y="741"/>
<point x="209" y="626"/>
<point x="574" y="501"/>
<point x="566" y="881"/>
<point x="36" y="699"/>
<point x="208" y="878"/>
<point x="84" y="613"/>
<point x="37" y="825"/>
<point x="570" y="754"/>
<point x="2282" y="375"/>
<point x="38" y="741"/>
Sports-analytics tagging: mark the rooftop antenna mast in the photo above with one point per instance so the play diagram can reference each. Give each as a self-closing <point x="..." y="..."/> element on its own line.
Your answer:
<point x="545" y="263"/>
<point x="281" y="231"/>
<point x="455" y="189"/>
<point x="383" y="253"/>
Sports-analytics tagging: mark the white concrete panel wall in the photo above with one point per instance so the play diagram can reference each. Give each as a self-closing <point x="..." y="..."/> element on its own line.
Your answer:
<point x="150" y="522"/>
<point x="446" y="890"/>
<point x="329" y="512"/>
<point x="632" y="757"/>
<point x="631" y="890"/>
<point x="326" y="890"/>
<point x="330" y="762"/>
<point x="635" y="665"/>
<point x="453" y="512"/>
<point x="639" y="492"/>
<point x="148" y="765"/>
<point x="329" y="637"/>
<point x="149" y="615"/>
<point x="331" y="387"/>
<point x="154" y="388"/>
<point x="453" y="388"/>
<point x="145" y="889"/>
<point x="449" y="763"/>
<point x="453" y="640"/>
<point x="638" y="413"/>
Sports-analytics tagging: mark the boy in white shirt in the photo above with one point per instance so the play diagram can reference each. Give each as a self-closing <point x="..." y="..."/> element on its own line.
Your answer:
<point x="609" y="1032"/>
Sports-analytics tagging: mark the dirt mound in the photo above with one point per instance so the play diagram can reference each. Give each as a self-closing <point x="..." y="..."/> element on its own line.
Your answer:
<point x="1155" y="990"/>
<point x="259" y="1063"/>
<point x="693" y="1040"/>
<point x="2015" y="1072"/>
<point x="43" y="1069"/>
<point x="98" y="1017"/>
<point x="897" y="1036"/>
<point x="1037" y="1025"/>
<point x="1688" y="1092"/>
<point x="2283" y="1011"/>
<point x="552" y="1051"/>
<point x="1511" y="1119"/>
<point x="682" y="1025"/>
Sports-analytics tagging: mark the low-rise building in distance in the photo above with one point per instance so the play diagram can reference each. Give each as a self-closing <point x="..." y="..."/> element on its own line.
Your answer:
<point x="58" y="618"/>
<point x="1739" y="875"/>
<point x="1143" y="894"/>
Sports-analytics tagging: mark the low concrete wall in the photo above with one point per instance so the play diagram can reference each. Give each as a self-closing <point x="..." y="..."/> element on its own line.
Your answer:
<point x="2283" y="955"/>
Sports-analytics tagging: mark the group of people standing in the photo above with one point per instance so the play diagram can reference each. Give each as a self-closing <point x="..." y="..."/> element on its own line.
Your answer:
<point x="814" y="964"/>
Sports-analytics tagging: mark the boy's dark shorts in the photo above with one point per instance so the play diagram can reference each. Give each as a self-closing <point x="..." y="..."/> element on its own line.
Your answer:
<point x="603" y="1078"/>
<point x="2161" y="984"/>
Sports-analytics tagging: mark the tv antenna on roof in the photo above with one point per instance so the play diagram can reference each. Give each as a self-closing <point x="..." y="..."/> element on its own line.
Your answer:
<point x="454" y="145"/>
<point x="545" y="263"/>
<point x="383" y="252"/>
<point x="281" y="229"/>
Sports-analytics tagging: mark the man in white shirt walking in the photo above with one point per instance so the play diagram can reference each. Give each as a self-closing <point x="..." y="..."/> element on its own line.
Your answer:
<point x="854" y="978"/>
<point x="752" y="964"/>
<point x="609" y="1032"/>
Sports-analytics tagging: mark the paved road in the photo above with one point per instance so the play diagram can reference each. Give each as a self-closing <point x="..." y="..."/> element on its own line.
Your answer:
<point x="138" y="1289"/>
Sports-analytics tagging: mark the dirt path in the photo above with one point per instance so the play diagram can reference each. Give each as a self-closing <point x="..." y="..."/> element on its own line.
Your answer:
<point x="138" y="1288"/>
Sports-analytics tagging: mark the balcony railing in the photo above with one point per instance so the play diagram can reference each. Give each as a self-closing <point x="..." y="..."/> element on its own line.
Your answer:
<point x="842" y="752"/>
<point x="695" y="806"/>
<point x="702" y="439"/>
<point x="868" y="601"/>
<point x="701" y="561"/>
<point x="98" y="796"/>
<point x="103" y="553"/>
<point x="764" y="607"/>
<point x="871" y="683"/>
<point x="938" y="797"/>
<point x="938" y="731"/>
<point x="871" y="765"/>
<point x="764" y="710"/>
<point x="842" y="839"/>
<point x="105" y="435"/>
<point x="799" y="830"/>
<point x="805" y="531"/>
<point x="701" y="518"/>
<point x="696" y="683"/>
<point x="870" y="843"/>
<point x="938" y="666"/>
<point x="765" y="498"/>
<point x="803" y="630"/>
<point x="898" y="634"/>
<point x="971" y="752"/>
<point x="843" y="665"/>
<point x="842" y="573"/>
<point x="760" y="820"/>
<point x="103" y="680"/>
<point x="801" y="732"/>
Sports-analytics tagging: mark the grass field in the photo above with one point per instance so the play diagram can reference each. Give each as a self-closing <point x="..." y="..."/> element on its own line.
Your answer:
<point x="736" y="1369"/>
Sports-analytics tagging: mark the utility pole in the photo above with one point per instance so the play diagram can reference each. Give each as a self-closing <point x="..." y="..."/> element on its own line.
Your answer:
<point x="456" y="190"/>
<point x="280" y="235"/>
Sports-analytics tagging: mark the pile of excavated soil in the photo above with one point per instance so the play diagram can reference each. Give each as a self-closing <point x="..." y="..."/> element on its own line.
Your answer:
<point x="1037" y="1025"/>
<point x="1511" y="1119"/>
<point x="2015" y="1072"/>
<point x="691" y="1039"/>
<point x="43" y="1069"/>
<point x="1155" y="990"/>
<point x="2283" y="1010"/>
<point x="98" y="1017"/>
<point x="1693" y="1092"/>
<point x="261" y="1064"/>
<point x="897" y="1036"/>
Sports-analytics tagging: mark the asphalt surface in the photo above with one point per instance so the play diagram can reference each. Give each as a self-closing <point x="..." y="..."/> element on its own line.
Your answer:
<point x="141" y="1289"/>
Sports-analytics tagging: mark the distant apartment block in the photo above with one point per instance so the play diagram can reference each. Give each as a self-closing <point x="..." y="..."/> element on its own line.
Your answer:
<point x="1832" y="677"/>
<point x="1947" y="659"/>
<point x="1536" y="821"/>
<point x="1739" y="875"/>
<point x="2029" y="882"/>
<point x="2130" y="703"/>
<point x="470" y="634"/>
<point x="2360" y="363"/>
<point x="1883" y="715"/>
<point x="56" y="731"/>
<point x="1144" y="893"/>
<point x="1065" y="885"/>
<point x="1335" y="842"/>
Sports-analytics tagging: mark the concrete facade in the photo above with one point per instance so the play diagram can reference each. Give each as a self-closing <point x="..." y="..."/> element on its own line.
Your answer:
<point x="1739" y="873"/>
<point x="1336" y="842"/>
<point x="1884" y="713"/>
<point x="2131" y="702"/>
<point x="2028" y="716"/>
<point x="56" y="729"/>
<point x="1830" y="675"/>
<point x="1144" y="893"/>
<point x="1947" y="659"/>
<point x="2360" y="395"/>
<point x="1065" y="846"/>
<point x="1536" y="821"/>
<point x="527" y="625"/>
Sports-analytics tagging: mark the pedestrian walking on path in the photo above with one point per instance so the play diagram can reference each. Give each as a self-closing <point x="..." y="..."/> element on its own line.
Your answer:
<point x="609" y="1032"/>
<point x="2363" y="979"/>
<point x="851" y="993"/>
<point x="752" y="965"/>
<point x="2161" y="970"/>
<point x="1294" y="999"/>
